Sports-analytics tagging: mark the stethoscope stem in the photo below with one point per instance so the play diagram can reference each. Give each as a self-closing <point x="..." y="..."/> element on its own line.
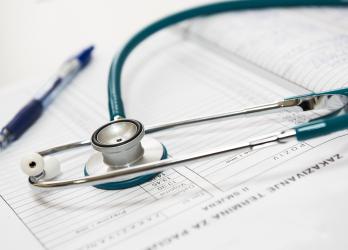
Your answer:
<point x="162" y="165"/>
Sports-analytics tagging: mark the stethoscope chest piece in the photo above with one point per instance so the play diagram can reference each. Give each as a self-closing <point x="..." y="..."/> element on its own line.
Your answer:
<point x="122" y="144"/>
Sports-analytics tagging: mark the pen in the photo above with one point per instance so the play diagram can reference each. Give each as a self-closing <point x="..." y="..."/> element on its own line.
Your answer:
<point x="32" y="111"/>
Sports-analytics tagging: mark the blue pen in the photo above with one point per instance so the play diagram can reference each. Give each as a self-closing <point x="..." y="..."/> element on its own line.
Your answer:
<point x="33" y="110"/>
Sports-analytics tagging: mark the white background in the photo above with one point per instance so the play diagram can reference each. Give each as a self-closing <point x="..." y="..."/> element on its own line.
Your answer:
<point x="37" y="35"/>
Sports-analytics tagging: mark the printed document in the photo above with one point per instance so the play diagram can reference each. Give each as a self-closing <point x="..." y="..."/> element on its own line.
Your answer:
<point x="287" y="196"/>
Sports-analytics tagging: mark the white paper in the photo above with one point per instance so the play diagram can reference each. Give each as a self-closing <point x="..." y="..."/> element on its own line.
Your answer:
<point x="307" y="47"/>
<point x="290" y="196"/>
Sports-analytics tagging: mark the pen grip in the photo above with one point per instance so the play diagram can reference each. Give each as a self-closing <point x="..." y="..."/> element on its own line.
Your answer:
<point x="24" y="118"/>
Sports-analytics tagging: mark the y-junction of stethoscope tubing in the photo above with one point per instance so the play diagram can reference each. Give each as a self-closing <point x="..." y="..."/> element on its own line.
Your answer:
<point x="162" y="165"/>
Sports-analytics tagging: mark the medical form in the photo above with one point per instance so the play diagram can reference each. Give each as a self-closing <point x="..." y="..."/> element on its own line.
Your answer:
<point x="291" y="196"/>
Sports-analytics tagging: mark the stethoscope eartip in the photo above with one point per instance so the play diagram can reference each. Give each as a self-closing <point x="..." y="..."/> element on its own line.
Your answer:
<point x="35" y="164"/>
<point x="32" y="164"/>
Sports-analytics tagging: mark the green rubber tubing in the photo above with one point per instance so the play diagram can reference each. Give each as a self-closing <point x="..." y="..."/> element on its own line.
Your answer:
<point x="341" y="91"/>
<point x="321" y="127"/>
<point x="116" y="107"/>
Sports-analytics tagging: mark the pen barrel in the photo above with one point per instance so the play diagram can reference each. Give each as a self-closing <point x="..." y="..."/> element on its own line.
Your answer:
<point x="24" y="118"/>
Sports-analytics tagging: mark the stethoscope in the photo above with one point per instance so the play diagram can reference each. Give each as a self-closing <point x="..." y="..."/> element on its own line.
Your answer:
<point x="125" y="154"/>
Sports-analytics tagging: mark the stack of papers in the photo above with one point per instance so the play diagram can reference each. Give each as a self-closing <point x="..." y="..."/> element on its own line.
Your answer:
<point x="290" y="196"/>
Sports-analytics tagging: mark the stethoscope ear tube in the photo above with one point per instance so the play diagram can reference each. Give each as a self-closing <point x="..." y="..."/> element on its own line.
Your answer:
<point x="306" y="131"/>
<point x="119" y="142"/>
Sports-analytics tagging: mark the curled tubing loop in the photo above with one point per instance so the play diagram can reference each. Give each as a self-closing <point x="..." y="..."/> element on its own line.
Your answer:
<point x="116" y="107"/>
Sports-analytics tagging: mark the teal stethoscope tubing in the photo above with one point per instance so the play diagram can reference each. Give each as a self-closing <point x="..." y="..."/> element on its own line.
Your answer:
<point x="116" y="107"/>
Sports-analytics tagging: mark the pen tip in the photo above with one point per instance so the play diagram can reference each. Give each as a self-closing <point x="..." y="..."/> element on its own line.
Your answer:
<point x="85" y="55"/>
<point x="90" y="48"/>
